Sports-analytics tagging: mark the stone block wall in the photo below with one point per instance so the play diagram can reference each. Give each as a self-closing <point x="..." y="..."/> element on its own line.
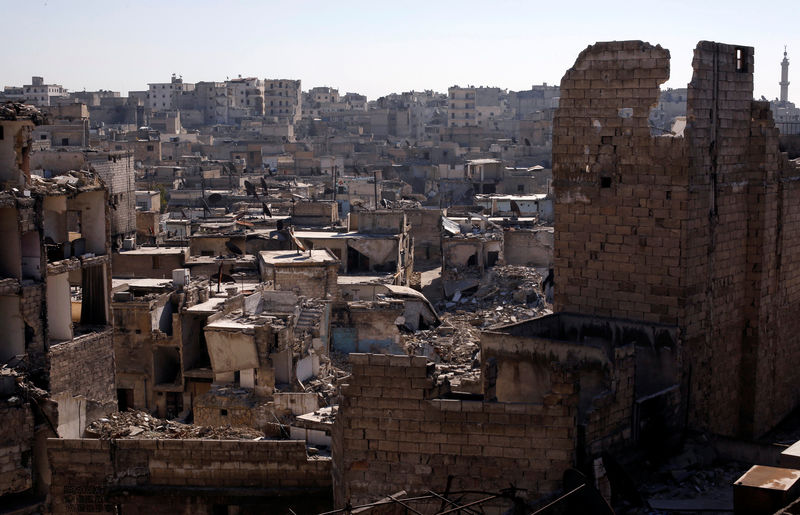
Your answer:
<point x="427" y="234"/>
<point x="528" y="247"/>
<point x="117" y="172"/>
<point x="311" y="281"/>
<point x="620" y="193"/>
<point x="693" y="231"/>
<point x="96" y="476"/>
<point x="32" y="298"/>
<point x="84" y="366"/>
<point x="16" y="441"/>
<point x="608" y="420"/>
<point x="392" y="433"/>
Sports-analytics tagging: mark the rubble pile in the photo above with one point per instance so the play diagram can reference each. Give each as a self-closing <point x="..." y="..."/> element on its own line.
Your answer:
<point x="69" y="182"/>
<point x="139" y="424"/>
<point x="505" y="295"/>
<point x="18" y="110"/>
<point x="327" y="386"/>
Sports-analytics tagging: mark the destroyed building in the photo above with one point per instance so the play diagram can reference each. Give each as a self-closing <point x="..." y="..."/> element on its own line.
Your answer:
<point x="57" y="356"/>
<point x="162" y="362"/>
<point x="262" y="355"/>
<point x="470" y="246"/>
<point x="674" y="298"/>
<point x="115" y="169"/>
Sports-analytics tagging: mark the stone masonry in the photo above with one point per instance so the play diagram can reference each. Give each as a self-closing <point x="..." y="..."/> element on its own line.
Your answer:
<point x="696" y="231"/>
<point x="97" y="476"/>
<point x="16" y="442"/>
<point x="394" y="431"/>
<point x="84" y="366"/>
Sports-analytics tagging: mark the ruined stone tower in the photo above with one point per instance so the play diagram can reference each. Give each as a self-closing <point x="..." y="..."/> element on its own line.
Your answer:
<point x="694" y="230"/>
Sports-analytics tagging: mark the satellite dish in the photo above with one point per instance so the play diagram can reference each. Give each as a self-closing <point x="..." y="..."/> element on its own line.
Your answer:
<point x="214" y="198"/>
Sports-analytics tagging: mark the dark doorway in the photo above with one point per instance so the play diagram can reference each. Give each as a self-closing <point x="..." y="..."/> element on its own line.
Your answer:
<point x="124" y="398"/>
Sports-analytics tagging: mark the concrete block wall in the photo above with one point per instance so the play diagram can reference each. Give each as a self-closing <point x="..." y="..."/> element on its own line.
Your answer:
<point x="426" y="232"/>
<point x="691" y="231"/>
<point x="85" y="471"/>
<point x="392" y="433"/>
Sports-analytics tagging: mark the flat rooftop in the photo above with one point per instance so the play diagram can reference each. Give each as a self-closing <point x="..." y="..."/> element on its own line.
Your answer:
<point x="141" y="283"/>
<point x="352" y="235"/>
<point x="151" y="251"/>
<point x="292" y="258"/>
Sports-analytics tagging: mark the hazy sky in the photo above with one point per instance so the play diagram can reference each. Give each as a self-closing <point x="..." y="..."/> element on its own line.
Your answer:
<point x="372" y="47"/>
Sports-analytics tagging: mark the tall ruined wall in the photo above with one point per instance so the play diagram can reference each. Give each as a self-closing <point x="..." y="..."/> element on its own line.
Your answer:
<point x="87" y="473"/>
<point x="719" y="242"/>
<point x="620" y="193"/>
<point x="778" y="283"/>
<point x="693" y="231"/>
<point x="117" y="173"/>
<point x="392" y="434"/>
<point x="427" y="233"/>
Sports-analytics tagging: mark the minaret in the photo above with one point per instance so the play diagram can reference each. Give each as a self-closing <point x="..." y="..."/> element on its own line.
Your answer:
<point x="784" y="78"/>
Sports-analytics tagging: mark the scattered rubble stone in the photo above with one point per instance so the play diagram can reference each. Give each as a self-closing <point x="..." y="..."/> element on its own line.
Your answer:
<point x="139" y="424"/>
<point x="506" y="294"/>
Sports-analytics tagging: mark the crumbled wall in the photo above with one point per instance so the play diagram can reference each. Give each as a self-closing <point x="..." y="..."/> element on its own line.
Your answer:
<point x="694" y="231"/>
<point x="117" y="172"/>
<point x="32" y="315"/>
<point x="86" y="472"/>
<point x="528" y="247"/>
<point x="426" y="232"/>
<point x="527" y="368"/>
<point x="392" y="434"/>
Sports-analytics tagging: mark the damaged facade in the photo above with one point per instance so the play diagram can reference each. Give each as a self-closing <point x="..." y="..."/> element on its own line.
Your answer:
<point x="58" y="357"/>
<point x="673" y="296"/>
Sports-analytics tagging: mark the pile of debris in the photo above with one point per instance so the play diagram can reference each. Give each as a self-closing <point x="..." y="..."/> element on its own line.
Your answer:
<point x="18" y="110"/>
<point x="506" y="294"/>
<point x="327" y="386"/>
<point x="70" y="182"/>
<point x="139" y="424"/>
